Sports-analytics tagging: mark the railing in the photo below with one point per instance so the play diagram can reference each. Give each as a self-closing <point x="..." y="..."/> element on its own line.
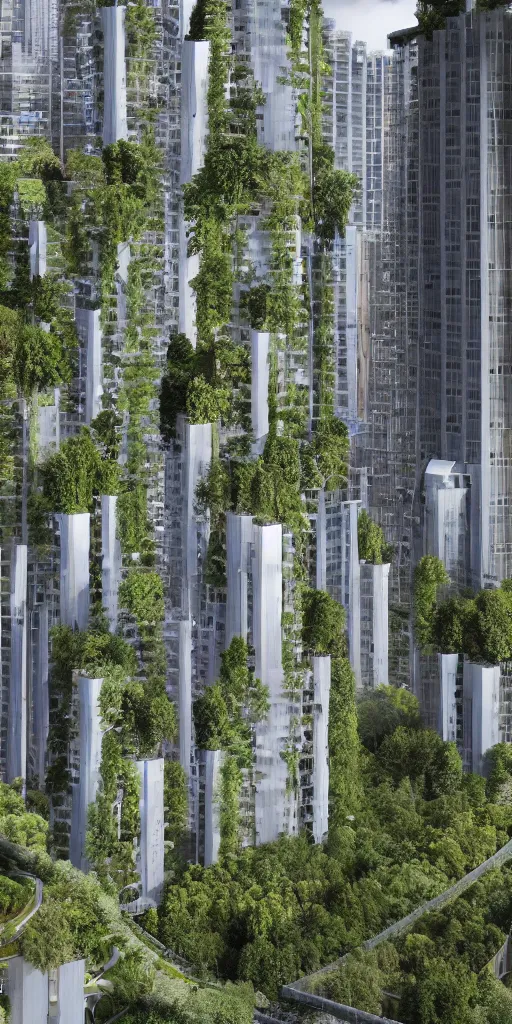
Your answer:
<point x="299" y="990"/>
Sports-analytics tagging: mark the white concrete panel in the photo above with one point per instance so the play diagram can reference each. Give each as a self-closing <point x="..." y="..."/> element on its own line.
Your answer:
<point x="239" y="533"/>
<point x="28" y="993"/>
<point x="351" y="242"/>
<point x="198" y="448"/>
<point x="322" y="691"/>
<point x="214" y="760"/>
<point x="269" y="58"/>
<point x="187" y="271"/>
<point x="337" y="565"/>
<point x="74" y="569"/>
<point x="89" y="328"/>
<point x="111" y="558"/>
<point x="41" y="696"/>
<point x="260" y="345"/>
<point x="275" y="801"/>
<point x="354" y="589"/>
<point x="321" y="543"/>
<point x="445" y="517"/>
<point x="123" y="262"/>
<point x="448" y="665"/>
<point x="380" y="624"/>
<point x="48" y="428"/>
<point x="17" y="720"/>
<point x="185" y="694"/>
<point x="186" y="8"/>
<point x="85" y="791"/>
<point x="115" y="125"/>
<point x="70" y="989"/>
<point x="481" y="687"/>
<point x="151" y="808"/>
<point x="194" y="107"/>
<point x="37" y="242"/>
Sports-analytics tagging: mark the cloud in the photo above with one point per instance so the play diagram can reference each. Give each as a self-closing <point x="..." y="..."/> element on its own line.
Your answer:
<point x="371" y="20"/>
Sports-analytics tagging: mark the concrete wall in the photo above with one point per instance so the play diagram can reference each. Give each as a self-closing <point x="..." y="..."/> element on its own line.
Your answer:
<point x="194" y="121"/>
<point x="17" y="721"/>
<point x="151" y="807"/>
<point x="85" y="791"/>
<point x="260" y="345"/>
<point x="28" y="993"/>
<point x="115" y="124"/>
<point x="89" y="329"/>
<point x="380" y="624"/>
<point x="185" y="694"/>
<point x="37" y="248"/>
<point x="110" y="558"/>
<point x="322" y="690"/>
<point x="197" y="439"/>
<point x="74" y="569"/>
<point x="374" y="623"/>
<point x="40" y="697"/>
<point x="213" y="760"/>
<point x="194" y="107"/>
<point x="70" y="994"/>
<point x="268" y="57"/>
<point x="448" y="665"/>
<point x="48" y="428"/>
<point x="239" y="532"/>
<point x="337" y="564"/>
<point x="481" y="691"/>
<point x="275" y="804"/>
<point x="445" y="517"/>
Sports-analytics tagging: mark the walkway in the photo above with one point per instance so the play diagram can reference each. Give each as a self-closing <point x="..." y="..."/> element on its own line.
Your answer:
<point x="497" y="859"/>
<point x="34" y="903"/>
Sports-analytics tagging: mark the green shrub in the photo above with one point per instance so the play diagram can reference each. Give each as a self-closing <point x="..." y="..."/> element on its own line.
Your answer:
<point x="370" y="539"/>
<point x="429" y="575"/>
<point x="323" y="624"/>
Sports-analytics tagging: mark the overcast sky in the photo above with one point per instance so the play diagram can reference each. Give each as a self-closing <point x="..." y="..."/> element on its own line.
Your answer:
<point x="371" y="20"/>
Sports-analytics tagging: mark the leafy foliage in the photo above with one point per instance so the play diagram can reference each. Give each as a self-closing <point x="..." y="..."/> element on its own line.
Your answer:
<point x="429" y="575"/>
<point x="439" y="969"/>
<point x="381" y="711"/>
<point x="323" y="624"/>
<point x="333" y="194"/>
<point x="75" y="474"/>
<point x="370" y="539"/>
<point x="345" y="790"/>
<point x="224" y="714"/>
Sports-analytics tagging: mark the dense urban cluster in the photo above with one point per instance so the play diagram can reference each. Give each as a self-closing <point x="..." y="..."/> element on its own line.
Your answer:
<point x="256" y="554"/>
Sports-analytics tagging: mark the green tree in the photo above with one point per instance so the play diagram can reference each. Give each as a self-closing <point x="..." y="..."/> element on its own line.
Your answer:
<point x="323" y="624"/>
<point x="371" y="543"/>
<point x="141" y="593"/>
<point x="423" y="757"/>
<point x="499" y="771"/>
<point x="450" y="625"/>
<point x="206" y="403"/>
<point x="437" y="992"/>
<point x="73" y="475"/>
<point x="176" y="801"/>
<point x="333" y="194"/>
<point x="47" y="941"/>
<point x="331" y="447"/>
<point x="211" y="720"/>
<point x="381" y="711"/>
<point x="359" y="982"/>
<point x="180" y="370"/>
<point x="39" y="360"/>
<point x="488" y="627"/>
<point x="429" y="575"/>
<point x="345" y="792"/>
<point x="133" y="975"/>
